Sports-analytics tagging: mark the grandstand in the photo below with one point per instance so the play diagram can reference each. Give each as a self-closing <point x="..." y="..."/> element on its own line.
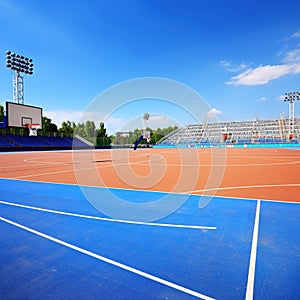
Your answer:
<point x="26" y="119"/>
<point x="257" y="131"/>
<point x="244" y="132"/>
<point x="10" y="142"/>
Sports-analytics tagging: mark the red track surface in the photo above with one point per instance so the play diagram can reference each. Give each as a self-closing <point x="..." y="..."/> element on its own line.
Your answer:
<point x="272" y="174"/>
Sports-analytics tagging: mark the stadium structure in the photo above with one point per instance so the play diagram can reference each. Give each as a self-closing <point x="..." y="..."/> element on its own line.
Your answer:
<point x="258" y="132"/>
<point x="244" y="132"/>
<point x="283" y="131"/>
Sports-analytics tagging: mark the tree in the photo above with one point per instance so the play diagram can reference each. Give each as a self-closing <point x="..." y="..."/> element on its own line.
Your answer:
<point x="102" y="138"/>
<point x="67" y="128"/>
<point x="159" y="133"/>
<point x="89" y="129"/>
<point x="102" y="130"/>
<point x="80" y="130"/>
<point x="48" y="127"/>
<point x="155" y="137"/>
<point x="1" y="113"/>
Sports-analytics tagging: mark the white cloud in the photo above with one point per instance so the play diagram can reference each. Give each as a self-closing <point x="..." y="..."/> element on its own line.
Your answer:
<point x="264" y="74"/>
<point x="295" y="35"/>
<point x="59" y="116"/>
<point x="230" y="68"/>
<point x="159" y="120"/>
<point x="212" y="113"/>
<point x="112" y="124"/>
<point x="262" y="99"/>
<point x="225" y="63"/>
<point x="292" y="57"/>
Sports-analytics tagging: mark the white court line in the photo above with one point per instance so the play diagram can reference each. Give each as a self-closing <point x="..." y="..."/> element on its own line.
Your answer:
<point x="108" y="219"/>
<point x="217" y="165"/>
<point x="136" y="163"/>
<point x="51" y="173"/>
<point x="146" y="162"/>
<point x="245" y="187"/>
<point x="92" y="167"/>
<point x="192" y="193"/>
<point x="110" y="261"/>
<point x="251" y="272"/>
<point x="22" y="166"/>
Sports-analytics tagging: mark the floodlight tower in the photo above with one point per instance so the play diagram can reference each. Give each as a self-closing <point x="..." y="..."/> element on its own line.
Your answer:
<point x="291" y="98"/>
<point x="20" y="65"/>
<point x="146" y="117"/>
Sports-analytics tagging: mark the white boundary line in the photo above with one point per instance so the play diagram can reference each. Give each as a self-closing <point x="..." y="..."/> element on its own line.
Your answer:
<point x="110" y="261"/>
<point x="146" y="162"/>
<point x="108" y="219"/>
<point x="251" y="272"/>
<point x="186" y="192"/>
<point x="92" y="167"/>
<point x="246" y="187"/>
<point x="191" y="193"/>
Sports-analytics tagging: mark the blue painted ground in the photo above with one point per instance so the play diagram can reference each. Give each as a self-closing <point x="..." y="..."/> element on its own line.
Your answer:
<point x="212" y="262"/>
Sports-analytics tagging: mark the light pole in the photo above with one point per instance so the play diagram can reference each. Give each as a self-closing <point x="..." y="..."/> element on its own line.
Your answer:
<point x="146" y="117"/>
<point x="19" y="64"/>
<point x="291" y="98"/>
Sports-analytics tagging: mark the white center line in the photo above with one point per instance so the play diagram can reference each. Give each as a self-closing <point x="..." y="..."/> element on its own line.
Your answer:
<point x="110" y="261"/>
<point x="251" y="272"/>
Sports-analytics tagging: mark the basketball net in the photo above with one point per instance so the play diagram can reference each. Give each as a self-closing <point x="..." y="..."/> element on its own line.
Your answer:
<point x="33" y="129"/>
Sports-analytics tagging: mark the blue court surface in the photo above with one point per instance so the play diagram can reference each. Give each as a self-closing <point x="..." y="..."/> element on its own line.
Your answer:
<point x="56" y="245"/>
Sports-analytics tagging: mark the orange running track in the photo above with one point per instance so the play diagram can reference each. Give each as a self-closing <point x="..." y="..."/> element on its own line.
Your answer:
<point x="270" y="174"/>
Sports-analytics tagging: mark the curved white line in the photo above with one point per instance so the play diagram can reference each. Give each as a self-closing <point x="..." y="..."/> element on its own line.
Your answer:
<point x="146" y="162"/>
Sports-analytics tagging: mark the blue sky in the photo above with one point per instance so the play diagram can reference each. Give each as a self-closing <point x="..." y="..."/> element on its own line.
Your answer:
<point x="240" y="56"/>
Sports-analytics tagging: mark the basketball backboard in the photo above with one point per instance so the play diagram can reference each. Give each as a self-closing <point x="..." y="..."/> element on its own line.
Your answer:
<point x="20" y="115"/>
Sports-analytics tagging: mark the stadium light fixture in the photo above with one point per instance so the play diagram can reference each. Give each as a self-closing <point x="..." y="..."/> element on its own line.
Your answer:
<point x="20" y="65"/>
<point x="291" y="97"/>
<point x="146" y="117"/>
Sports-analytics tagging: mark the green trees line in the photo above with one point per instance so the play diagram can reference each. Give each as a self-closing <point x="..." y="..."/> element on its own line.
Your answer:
<point x="97" y="136"/>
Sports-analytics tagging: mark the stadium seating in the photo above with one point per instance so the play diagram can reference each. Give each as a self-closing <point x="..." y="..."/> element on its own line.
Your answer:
<point x="10" y="140"/>
<point x="257" y="131"/>
<point x="4" y="142"/>
<point x="245" y="132"/>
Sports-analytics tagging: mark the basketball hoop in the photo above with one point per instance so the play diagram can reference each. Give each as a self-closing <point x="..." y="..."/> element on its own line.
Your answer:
<point x="146" y="134"/>
<point x="33" y="129"/>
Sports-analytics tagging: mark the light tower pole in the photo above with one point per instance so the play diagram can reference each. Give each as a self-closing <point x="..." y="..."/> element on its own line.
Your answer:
<point x="146" y="117"/>
<point x="20" y="65"/>
<point x="291" y="98"/>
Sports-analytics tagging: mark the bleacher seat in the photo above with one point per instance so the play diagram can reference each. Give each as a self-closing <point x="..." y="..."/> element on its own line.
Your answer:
<point x="257" y="131"/>
<point x="4" y="142"/>
<point x="40" y="141"/>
